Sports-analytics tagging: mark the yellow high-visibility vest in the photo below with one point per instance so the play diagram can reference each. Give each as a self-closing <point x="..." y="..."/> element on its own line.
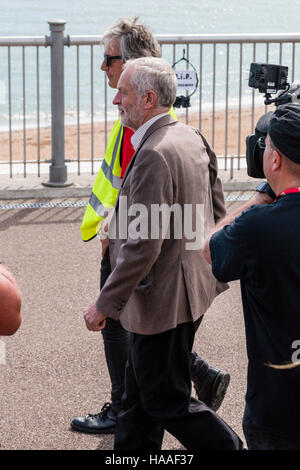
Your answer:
<point x="107" y="184"/>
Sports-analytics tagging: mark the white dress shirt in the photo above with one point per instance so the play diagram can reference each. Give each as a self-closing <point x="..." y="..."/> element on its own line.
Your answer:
<point x="141" y="131"/>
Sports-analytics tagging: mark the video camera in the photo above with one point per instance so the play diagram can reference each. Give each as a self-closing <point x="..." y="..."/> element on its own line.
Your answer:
<point x="268" y="79"/>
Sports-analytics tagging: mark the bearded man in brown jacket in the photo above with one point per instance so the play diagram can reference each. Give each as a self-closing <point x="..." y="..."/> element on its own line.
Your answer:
<point x="160" y="285"/>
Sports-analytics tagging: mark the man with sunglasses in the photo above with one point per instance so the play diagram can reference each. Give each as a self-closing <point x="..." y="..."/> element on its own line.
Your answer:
<point x="259" y="244"/>
<point x="129" y="40"/>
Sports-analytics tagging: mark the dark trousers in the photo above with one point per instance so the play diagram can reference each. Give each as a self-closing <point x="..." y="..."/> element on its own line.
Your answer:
<point x="260" y="440"/>
<point x="116" y="344"/>
<point x="158" y="397"/>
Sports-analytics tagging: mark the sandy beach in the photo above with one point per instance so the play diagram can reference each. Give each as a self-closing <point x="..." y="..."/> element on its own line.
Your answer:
<point x="85" y="140"/>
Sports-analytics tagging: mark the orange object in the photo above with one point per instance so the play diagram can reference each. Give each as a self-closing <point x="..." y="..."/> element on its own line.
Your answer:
<point x="10" y="303"/>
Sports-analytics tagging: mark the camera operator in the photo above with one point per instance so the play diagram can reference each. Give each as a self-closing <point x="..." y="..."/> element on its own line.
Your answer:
<point x="260" y="245"/>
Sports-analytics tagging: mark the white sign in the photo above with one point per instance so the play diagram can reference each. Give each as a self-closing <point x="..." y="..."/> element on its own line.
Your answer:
<point x="187" y="79"/>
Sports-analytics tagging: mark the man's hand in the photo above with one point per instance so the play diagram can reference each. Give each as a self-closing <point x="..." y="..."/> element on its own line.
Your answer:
<point x="94" y="320"/>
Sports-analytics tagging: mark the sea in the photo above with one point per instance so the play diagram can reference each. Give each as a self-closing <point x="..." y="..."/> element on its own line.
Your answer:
<point x="92" y="17"/>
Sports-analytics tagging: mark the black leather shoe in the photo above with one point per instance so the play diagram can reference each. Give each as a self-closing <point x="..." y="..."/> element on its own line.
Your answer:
<point x="211" y="388"/>
<point x="101" y="423"/>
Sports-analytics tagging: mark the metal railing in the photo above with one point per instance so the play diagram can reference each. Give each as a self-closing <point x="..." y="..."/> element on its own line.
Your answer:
<point x="223" y="108"/>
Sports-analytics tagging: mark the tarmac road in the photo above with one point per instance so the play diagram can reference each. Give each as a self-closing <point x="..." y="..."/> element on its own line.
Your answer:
<point x="55" y="367"/>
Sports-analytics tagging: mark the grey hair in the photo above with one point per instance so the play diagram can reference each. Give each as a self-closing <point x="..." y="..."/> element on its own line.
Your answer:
<point x="153" y="73"/>
<point x="273" y="146"/>
<point x="135" y="39"/>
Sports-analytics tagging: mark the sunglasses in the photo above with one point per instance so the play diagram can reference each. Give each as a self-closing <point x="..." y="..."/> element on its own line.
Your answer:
<point x="261" y="143"/>
<point x="108" y="59"/>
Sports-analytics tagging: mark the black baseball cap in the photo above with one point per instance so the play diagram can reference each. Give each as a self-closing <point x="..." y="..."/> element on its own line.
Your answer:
<point x="284" y="130"/>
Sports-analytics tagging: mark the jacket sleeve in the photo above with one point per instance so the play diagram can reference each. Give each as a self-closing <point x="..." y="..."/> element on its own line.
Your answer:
<point x="215" y="182"/>
<point x="150" y="183"/>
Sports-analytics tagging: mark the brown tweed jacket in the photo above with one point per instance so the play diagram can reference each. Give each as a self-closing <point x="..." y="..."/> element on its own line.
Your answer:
<point x="158" y="283"/>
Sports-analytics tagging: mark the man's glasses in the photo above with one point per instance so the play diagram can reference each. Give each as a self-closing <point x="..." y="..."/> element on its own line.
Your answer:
<point x="108" y="58"/>
<point x="261" y="143"/>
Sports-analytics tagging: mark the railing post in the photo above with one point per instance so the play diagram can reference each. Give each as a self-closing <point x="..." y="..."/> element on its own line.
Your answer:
<point x="58" y="168"/>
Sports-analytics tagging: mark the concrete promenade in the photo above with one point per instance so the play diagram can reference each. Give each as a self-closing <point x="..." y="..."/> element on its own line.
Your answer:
<point x="55" y="368"/>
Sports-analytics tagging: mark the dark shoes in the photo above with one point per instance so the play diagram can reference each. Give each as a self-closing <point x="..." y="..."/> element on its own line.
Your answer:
<point x="101" y="423"/>
<point x="211" y="388"/>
